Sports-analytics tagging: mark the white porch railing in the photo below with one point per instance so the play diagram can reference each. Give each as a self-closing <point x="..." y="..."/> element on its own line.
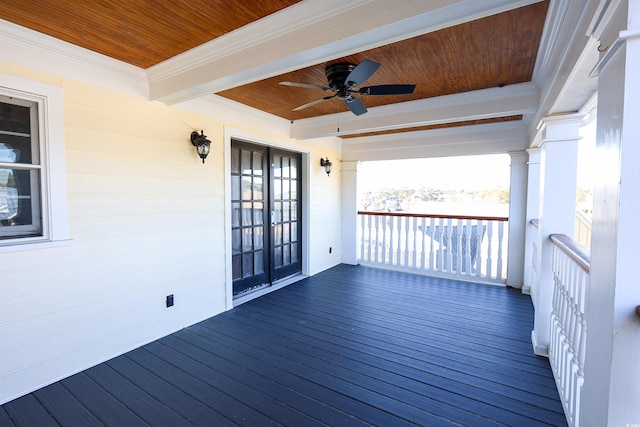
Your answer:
<point x="462" y="246"/>
<point x="568" y="323"/>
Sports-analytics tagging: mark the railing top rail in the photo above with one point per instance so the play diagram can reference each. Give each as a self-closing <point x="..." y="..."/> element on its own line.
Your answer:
<point x="568" y="246"/>
<point x="421" y="215"/>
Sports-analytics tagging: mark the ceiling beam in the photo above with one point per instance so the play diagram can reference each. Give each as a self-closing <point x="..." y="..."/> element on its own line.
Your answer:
<point x="306" y="34"/>
<point x="510" y="100"/>
<point x="492" y="138"/>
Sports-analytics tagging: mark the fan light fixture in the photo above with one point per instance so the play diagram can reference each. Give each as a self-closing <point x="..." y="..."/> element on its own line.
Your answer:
<point x="326" y="164"/>
<point x="201" y="143"/>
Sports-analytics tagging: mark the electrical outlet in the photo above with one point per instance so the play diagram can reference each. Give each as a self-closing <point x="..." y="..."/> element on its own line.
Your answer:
<point x="169" y="300"/>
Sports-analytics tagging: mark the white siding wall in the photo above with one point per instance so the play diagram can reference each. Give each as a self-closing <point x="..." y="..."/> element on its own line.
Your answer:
<point x="147" y="220"/>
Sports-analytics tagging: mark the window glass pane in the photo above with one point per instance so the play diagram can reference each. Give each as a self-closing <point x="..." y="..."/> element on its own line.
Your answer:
<point x="15" y="118"/>
<point x="247" y="265"/>
<point x="17" y="201"/>
<point x="15" y="149"/>
<point x="235" y="160"/>
<point x="245" y="162"/>
<point x="257" y="163"/>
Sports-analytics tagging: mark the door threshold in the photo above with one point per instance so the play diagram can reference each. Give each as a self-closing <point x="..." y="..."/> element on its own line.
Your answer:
<point x="278" y="284"/>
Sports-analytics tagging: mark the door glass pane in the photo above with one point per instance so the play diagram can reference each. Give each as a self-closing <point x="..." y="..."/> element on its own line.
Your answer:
<point x="258" y="238"/>
<point x="247" y="264"/>
<point x="235" y="187"/>
<point x="277" y="189"/>
<point x="285" y="167"/>
<point x="294" y="189"/>
<point x="286" y="194"/>
<point x="236" y="267"/>
<point x="285" y="211"/>
<point x="277" y="234"/>
<point x="236" y="241"/>
<point x="247" y="213"/>
<point x="294" y="211"/>
<point x="294" y="252"/>
<point x="257" y="164"/>
<point x="258" y="188"/>
<point x="294" y="231"/>
<point x="235" y="160"/>
<point x="247" y="239"/>
<point x="286" y="255"/>
<point x="258" y="265"/>
<point x="235" y="214"/>
<point x="247" y="193"/>
<point x="277" y="256"/>
<point x="277" y="212"/>
<point x="245" y="162"/>
<point x="286" y="238"/>
<point x="258" y="213"/>
<point x="277" y="167"/>
<point x="294" y="167"/>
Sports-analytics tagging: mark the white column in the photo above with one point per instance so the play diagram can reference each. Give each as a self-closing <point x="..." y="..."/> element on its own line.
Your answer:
<point x="533" y="210"/>
<point x="611" y="395"/>
<point x="559" y="166"/>
<point x="350" y="224"/>
<point x="517" y="214"/>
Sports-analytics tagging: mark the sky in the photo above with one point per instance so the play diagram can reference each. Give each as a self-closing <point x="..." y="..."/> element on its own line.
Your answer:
<point x="464" y="172"/>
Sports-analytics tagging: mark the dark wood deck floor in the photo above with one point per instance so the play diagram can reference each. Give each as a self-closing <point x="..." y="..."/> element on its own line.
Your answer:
<point x="349" y="346"/>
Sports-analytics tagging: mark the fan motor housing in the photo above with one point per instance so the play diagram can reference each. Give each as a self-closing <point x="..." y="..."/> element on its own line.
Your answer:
<point x="337" y="74"/>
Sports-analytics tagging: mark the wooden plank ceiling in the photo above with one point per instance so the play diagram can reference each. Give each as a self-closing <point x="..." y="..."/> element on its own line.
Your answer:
<point x="497" y="50"/>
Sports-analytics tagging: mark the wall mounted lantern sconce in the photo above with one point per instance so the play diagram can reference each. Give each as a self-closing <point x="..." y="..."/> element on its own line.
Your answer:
<point x="326" y="164"/>
<point x="201" y="143"/>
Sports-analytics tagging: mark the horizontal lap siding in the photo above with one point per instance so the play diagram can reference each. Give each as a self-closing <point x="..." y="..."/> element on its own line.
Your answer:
<point x="145" y="217"/>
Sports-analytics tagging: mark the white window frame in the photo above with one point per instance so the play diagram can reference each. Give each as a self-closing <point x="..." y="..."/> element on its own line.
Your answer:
<point x="53" y="185"/>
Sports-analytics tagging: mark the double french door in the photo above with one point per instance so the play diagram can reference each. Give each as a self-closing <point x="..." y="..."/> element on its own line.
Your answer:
<point x="265" y="215"/>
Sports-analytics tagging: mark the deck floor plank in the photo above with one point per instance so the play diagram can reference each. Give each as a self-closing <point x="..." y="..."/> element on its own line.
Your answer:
<point x="349" y="346"/>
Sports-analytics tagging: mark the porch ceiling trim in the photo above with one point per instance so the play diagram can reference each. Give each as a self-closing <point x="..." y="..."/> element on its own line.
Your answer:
<point x="516" y="99"/>
<point x="489" y="138"/>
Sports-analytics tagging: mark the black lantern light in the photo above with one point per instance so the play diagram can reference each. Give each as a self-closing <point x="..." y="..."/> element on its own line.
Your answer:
<point x="326" y="164"/>
<point x="201" y="143"/>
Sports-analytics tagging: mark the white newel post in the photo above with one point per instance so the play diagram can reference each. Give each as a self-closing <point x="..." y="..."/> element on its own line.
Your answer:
<point x="533" y="209"/>
<point x="559" y="165"/>
<point x="350" y="224"/>
<point x="611" y="394"/>
<point x="517" y="213"/>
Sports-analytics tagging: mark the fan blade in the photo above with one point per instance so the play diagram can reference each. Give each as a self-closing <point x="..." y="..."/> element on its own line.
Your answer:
<point x="355" y="105"/>
<point x="387" y="90"/>
<point x="361" y="73"/>
<point x="306" y="86"/>
<point x="317" y="101"/>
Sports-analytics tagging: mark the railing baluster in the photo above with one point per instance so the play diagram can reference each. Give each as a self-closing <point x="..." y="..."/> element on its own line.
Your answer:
<point x="458" y="245"/>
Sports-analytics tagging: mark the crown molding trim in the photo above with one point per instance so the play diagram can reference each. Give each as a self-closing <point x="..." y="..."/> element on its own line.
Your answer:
<point x="28" y="48"/>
